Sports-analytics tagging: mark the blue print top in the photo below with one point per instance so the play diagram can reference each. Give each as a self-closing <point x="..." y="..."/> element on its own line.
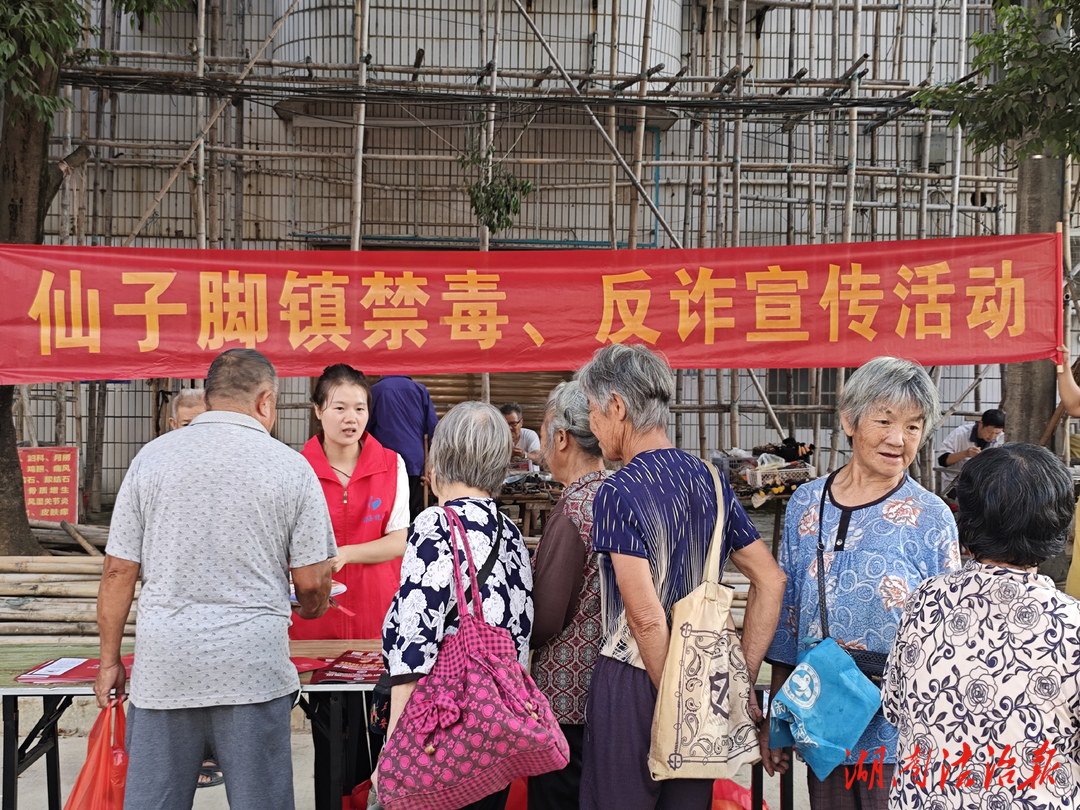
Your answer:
<point x="875" y="555"/>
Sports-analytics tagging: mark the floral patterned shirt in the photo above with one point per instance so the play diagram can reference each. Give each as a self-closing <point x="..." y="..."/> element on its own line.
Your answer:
<point x="875" y="554"/>
<point x="414" y="624"/>
<point x="986" y="659"/>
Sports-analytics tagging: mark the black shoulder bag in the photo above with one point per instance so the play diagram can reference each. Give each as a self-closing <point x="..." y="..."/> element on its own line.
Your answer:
<point x="871" y="664"/>
<point x="379" y="718"/>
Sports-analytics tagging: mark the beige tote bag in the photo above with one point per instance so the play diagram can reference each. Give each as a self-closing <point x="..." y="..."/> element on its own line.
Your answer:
<point x="702" y="727"/>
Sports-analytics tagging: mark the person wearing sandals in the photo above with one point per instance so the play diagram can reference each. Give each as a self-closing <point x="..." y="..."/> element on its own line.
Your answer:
<point x="653" y="522"/>
<point x="467" y="462"/>
<point x="880" y="534"/>
<point x="566" y="587"/>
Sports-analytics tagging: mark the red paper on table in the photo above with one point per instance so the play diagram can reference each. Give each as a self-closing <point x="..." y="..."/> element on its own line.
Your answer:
<point x="354" y="666"/>
<point x="308" y="664"/>
<point x="69" y="670"/>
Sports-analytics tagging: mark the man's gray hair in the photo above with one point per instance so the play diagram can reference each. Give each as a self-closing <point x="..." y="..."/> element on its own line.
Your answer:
<point x="186" y="398"/>
<point x="240" y="375"/>
<point x="568" y="409"/>
<point x="472" y="446"/>
<point x="890" y="381"/>
<point x="641" y="377"/>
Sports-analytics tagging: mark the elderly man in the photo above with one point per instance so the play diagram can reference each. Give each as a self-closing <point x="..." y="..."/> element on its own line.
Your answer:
<point x="967" y="441"/>
<point x="214" y="516"/>
<point x="526" y="442"/>
<point x="186" y="404"/>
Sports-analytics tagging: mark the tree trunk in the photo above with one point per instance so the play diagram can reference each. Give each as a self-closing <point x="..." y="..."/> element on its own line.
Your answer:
<point x="15" y="535"/>
<point x="24" y="178"/>
<point x="1030" y="391"/>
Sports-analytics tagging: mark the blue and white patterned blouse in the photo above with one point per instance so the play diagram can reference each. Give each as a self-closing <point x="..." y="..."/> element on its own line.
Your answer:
<point x="414" y="624"/>
<point x="875" y="555"/>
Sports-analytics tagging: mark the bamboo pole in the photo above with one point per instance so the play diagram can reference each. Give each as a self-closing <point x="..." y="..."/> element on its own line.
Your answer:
<point x="56" y="590"/>
<point x="765" y="401"/>
<point x="613" y="56"/>
<point x="853" y="131"/>
<point x="733" y="407"/>
<point x="958" y="131"/>
<point x="599" y="127"/>
<point x="195" y="144"/>
<point x="199" y="171"/>
<point x="924" y="185"/>
<point x="361" y="28"/>
<point x="43" y="631"/>
<point x="737" y="130"/>
<point x="702" y="435"/>
<point x="78" y="538"/>
<point x="703" y="203"/>
<point x="639" y="127"/>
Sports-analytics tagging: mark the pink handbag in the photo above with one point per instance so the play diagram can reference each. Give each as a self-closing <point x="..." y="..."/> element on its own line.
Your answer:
<point x="473" y="725"/>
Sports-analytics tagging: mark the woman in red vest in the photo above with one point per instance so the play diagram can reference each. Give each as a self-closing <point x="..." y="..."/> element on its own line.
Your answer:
<point x="367" y="490"/>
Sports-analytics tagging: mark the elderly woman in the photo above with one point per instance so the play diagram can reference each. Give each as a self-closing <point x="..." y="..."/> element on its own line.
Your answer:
<point x="983" y="681"/>
<point x="566" y="577"/>
<point x="880" y="533"/>
<point x="652" y="524"/>
<point x="469" y="454"/>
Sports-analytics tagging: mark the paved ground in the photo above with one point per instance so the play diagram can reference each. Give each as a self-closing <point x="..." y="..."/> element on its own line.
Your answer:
<point x="33" y="794"/>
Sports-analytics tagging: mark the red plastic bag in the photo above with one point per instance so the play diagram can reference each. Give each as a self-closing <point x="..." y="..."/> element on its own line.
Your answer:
<point x="100" y="785"/>
<point x="729" y="795"/>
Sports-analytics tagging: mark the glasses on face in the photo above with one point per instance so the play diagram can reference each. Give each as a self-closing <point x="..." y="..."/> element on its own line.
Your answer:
<point x="514" y="424"/>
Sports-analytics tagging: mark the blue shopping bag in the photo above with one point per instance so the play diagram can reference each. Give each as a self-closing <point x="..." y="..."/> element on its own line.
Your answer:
<point x="823" y="707"/>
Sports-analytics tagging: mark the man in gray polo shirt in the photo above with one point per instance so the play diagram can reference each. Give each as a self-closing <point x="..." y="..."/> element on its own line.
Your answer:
<point x="215" y="516"/>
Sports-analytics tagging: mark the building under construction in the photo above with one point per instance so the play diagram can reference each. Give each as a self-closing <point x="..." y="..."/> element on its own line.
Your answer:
<point x="360" y="124"/>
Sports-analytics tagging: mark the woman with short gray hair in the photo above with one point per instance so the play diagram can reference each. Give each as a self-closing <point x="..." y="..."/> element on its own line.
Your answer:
<point x="469" y="456"/>
<point x="877" y="534"/>
<point x="653" y="521"/>
<point x="566" y="578"/>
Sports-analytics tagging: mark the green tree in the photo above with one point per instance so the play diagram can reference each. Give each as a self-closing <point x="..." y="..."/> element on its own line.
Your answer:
<point x="1031" y="61"/>
<point x="36" y="37"/>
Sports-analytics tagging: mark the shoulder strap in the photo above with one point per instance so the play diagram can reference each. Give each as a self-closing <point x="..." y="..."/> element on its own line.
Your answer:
<point x="483" y="573"/>
<point x="714" y="559"/>
<point x="821" y="557"/>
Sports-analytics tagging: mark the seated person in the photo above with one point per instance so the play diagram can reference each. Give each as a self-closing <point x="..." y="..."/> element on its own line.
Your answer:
<point x="526" y="454"/>
<point x="967" y="441"/>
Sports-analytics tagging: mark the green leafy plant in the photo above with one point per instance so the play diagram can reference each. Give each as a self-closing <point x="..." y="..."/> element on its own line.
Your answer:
<point x="1032" y="100"/>
<point x="495" y="200"/>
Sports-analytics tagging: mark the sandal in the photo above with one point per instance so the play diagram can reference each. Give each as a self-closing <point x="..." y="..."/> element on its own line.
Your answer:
<point x="212" y="773"/>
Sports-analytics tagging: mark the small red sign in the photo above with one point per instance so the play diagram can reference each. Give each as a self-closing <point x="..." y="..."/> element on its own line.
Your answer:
<point x="51" y="482"/>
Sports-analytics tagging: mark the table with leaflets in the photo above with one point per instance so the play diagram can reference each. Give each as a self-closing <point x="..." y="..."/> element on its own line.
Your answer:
<point x="56" y="697"/>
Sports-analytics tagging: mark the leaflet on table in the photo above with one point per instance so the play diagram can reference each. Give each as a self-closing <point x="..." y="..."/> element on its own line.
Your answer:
<point x="69" y="670"/>
<point x="85" y="670"/>
<point x="354" y="666"/>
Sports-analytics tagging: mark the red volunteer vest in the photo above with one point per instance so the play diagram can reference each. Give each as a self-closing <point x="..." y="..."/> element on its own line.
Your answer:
<point x="360" y="514"/>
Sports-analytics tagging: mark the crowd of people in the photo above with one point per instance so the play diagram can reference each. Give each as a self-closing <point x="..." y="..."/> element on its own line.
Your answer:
<point x="983" y="658"/>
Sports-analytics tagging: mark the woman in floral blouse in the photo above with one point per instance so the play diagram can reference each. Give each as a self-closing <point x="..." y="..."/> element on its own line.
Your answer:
<point x="567" y="630"/>
<point x="469" y="456"/>
<point x="984" y="679"/>
<point x="880" y="535"/>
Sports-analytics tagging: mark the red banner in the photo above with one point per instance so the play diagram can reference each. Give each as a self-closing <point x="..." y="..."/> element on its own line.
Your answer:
<point x="92" y="313"/>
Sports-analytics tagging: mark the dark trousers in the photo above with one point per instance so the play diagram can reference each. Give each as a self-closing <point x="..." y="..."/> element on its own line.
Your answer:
<point x="365" y="760"/>
<point x="416" y="496"/>
<point x="559" y="790"/>
<point x="618" y="733"/>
